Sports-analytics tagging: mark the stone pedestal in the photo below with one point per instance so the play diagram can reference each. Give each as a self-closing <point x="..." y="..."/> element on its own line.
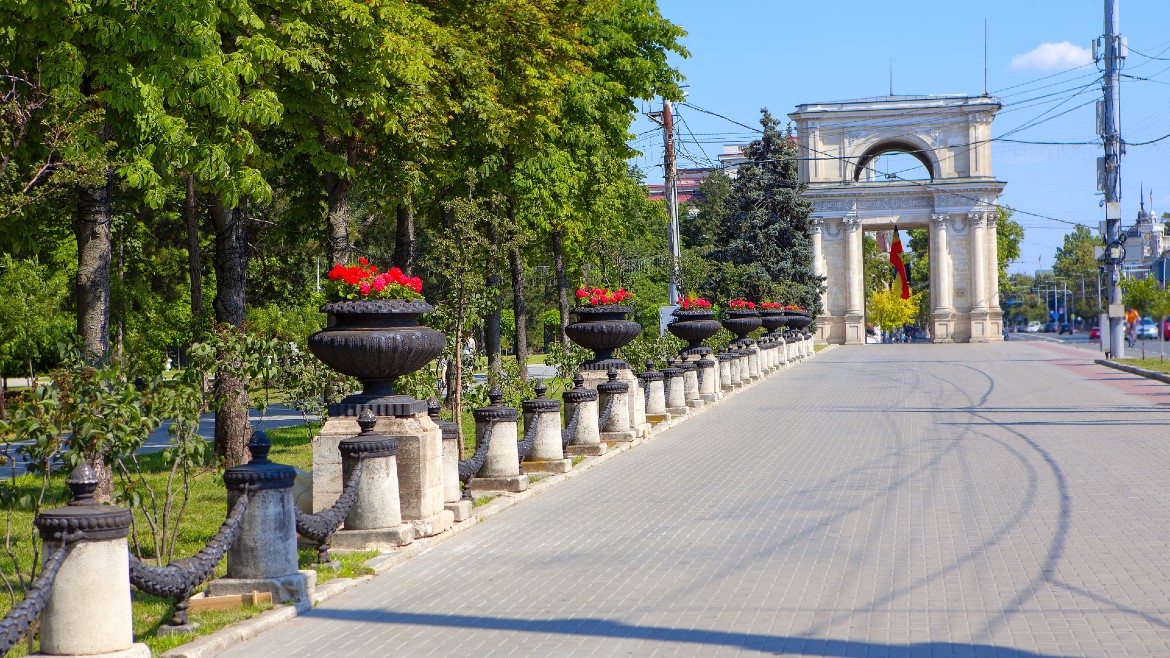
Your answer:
<point x="615" y="423"/>
<point x="753" y="362"/>
<point x="654" y="394"/>
<point x="420" y="468"/>
<point x="637" y="396"/>
<point x="264" y="555"/>
<point x="781" y="352"/>
<point x="726" y="375"/>
<point x="676" y="394"/>
<point x="88" y="609"/>
<point x="375" y="518"/>
<point x="691" y="383"/>
<point x="581" y="414"/>
<point x="501" y="468"/>
<point x="544" y="416"/>
<point x="708" y="375"/>
<point x="453" y="500"/>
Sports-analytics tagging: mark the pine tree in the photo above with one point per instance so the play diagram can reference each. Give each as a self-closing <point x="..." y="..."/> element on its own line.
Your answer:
<point x="765" y="243"/>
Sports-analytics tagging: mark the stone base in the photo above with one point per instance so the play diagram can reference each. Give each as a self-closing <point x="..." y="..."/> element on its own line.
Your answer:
<point x="432" y="525"/>
<point x="461" y="509"/>
<point x="295" y="587"/>
<point x="624" y="436"/>
<point x="710" y="397"/>
<point x="373" y="539"/>
<point x="655" y="419"/>
<point x="136" y="650"/>
<point x="167" y="630"/>
<point x="677" y="411"/>
<point x="586" y="451"/>
<point x="644" y="429"/>
<point x="727" y="388"/>
<point x="552" y="466"/>
<point x="695" y="403"/>
<point x="496" y="485"/>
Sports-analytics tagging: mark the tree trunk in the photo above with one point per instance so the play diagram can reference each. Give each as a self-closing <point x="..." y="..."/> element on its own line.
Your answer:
<point x="558" y="248"/>
<point x="92" y="228"/>
<point x="231" y="270"/>
<point x="194" y="258"/>
<point x="404" y="237"/>
<point x="120" y="327"/>
<point x="340" y="242"/>
<point x="519" y="305"/>
<point x="491" y="328"/>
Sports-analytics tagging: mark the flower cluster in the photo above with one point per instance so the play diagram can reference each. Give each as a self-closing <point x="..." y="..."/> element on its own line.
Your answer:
<point x="601" y="296"/>
<point x="771" y="306"/>
<point x="795" y="308"/>
<point x="742" y="304"/>
<point x="363" y="281"/>
<point x="689" y="303"/>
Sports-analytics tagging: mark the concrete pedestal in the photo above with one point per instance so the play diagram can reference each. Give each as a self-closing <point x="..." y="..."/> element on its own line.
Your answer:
<point x="501" y="468"/>
<point x="88" y="612"/>
<point x="546" y="455"/>
<point x="708" y="373"/>
<point x="637" y="397"/>
<point x="726" y="363"/>
<point x="581" y="401"/>
<point x="691" y="384"/>
<point x="615" y="423"/>
<point x="675" y="388"/>
<point x="375" y="519"/>
<point x="753" y="362"/>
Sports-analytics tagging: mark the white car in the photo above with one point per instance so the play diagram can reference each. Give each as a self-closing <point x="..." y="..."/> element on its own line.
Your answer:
<point x="1033" y="327"/>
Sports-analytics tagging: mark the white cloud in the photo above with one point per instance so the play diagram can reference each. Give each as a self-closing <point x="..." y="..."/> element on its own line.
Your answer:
<point x="1052" y="57"/>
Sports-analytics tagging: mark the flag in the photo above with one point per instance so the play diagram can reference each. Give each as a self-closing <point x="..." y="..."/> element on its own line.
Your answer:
<point x="899" y="266"/>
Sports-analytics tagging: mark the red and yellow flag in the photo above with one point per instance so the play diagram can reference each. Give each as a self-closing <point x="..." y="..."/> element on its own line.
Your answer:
<point x="899" y="266"/>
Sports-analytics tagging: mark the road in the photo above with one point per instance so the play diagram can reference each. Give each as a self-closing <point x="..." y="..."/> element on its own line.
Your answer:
<point x="879" y="500"/>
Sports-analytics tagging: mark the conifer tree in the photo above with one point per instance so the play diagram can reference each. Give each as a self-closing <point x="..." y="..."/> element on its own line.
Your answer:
<point x="766" y="240"/>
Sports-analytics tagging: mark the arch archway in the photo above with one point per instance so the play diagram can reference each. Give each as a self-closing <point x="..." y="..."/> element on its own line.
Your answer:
<point x="950" y="137"/>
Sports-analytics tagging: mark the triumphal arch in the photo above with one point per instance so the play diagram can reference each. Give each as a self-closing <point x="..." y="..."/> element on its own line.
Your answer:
<point x="951" y="137"/>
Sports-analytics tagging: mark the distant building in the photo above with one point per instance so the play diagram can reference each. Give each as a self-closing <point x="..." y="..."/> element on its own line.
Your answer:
<point x="690" y="179"/>
<point x="1146" y="247"/>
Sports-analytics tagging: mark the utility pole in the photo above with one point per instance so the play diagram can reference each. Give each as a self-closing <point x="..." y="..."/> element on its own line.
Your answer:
<point x="665" y="118"/>
<point x="1109" y="173"/>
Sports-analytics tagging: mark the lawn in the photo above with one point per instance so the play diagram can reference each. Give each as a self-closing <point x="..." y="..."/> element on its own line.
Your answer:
<point x="205" y="511"/>
<point x="1148" y="363"/>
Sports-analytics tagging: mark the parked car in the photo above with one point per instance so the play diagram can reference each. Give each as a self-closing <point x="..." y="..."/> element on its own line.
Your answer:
<point x="1095" y="333"/>
<point x="1166" y="330"/>
<point x="1050" y="327"/>
<point x="1033" y="327"/>
<point x="1147" y="328"/>
<point x="1065" y="328"/>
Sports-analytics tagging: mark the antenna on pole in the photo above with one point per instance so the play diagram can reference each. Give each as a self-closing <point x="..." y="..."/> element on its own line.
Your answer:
<point x="984" y="55"/>
<point x="891" y="77"/>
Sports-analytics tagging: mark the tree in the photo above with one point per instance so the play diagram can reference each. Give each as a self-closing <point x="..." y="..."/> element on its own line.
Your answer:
<point x="886" y="308"/>
<point x="770" y="228"/>
<point x="879" y="272"/>
<point x="1008" y="235"/>
<point x="1075" y="256"/>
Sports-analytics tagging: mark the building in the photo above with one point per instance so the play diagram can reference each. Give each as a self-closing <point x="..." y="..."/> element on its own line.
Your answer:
<point x="1146" y="246"/>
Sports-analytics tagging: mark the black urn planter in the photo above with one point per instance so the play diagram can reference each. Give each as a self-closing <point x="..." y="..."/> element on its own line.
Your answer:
<point x="741" y="322"/>
<point x="603" y="329"/>
<point x="774" y="320"/>
<point x="798" y="320"/>
<point x="376" y="341"/>
<point x="694" y="326"/>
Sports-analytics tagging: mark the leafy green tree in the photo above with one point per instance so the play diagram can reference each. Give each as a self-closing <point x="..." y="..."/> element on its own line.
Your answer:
<point x="879" y="272"/>
<point x="1075" y="256"/>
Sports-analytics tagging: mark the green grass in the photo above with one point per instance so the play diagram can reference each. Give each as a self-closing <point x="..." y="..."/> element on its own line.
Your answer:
<point x="1155" y="364"/>
<point x="483" y="500"/>
<point x="818" y="348"/>
<point x="578" y="459"/>
<point x="352" y="565"/>
<point x="205" y="511"/>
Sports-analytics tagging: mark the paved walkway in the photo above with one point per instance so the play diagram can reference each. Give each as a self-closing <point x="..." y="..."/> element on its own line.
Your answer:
<point x="886" y="500"/>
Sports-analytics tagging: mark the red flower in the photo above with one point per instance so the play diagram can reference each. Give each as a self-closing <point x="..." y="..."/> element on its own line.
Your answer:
<point x="363" y="261"/>
<point x="582" y="293"/>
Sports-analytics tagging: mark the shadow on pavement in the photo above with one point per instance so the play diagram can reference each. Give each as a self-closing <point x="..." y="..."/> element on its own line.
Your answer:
<point x="613" y="629"/>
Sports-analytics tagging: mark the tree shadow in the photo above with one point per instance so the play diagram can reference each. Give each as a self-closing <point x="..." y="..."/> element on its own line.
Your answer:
<point x="605" y="628"/>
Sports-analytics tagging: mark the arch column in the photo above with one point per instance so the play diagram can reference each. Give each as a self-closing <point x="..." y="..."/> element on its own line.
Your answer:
<point x="854" y="282"/>
<point x="942" y="315"/>
<point x="818" y="227"/>
<point x="996" y="313"/>
<point x="980" y="308"/>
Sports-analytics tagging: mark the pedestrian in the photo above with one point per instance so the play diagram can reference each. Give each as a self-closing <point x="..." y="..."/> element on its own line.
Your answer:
<point x="1131" y="323"/>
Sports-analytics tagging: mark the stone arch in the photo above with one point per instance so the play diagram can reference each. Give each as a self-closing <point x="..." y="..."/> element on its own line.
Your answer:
<point x="950" y="135"/>
<point x="917" y="149"/>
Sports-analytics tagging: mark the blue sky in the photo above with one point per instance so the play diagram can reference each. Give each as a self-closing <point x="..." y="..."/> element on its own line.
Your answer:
<point x="749" y="54"/>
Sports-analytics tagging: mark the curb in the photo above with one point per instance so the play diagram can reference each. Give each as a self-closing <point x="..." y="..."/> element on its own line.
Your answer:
<point x="212" y="644"/>
<point x="1134" y="370"/>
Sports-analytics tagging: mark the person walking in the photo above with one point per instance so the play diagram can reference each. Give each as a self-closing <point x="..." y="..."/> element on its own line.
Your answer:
<point x="1131" y="323"/>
